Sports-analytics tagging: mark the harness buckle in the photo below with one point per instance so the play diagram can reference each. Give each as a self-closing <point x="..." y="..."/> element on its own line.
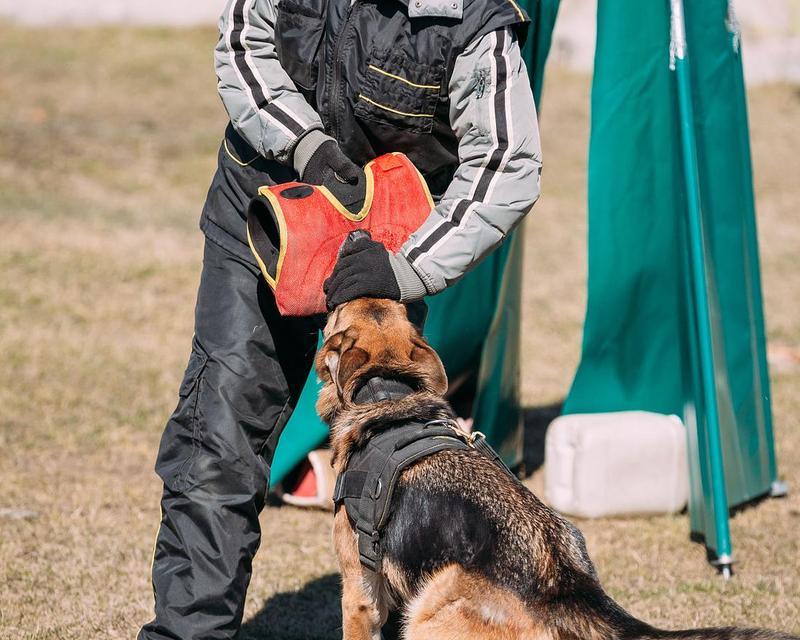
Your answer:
<point x="475" y="436"/>
<point x="369" y="546"/>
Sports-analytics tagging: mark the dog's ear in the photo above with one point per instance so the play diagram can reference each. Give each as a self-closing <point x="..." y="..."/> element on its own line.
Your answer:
<point x="343" y="359"/>
<point x="432" y="369"/>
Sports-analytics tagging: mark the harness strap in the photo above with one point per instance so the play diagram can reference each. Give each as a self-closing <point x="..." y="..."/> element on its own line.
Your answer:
<point x="349" y="484"/>
<point x="378" y="389"/>
<point x="431" y="430"/>
<point x="367" y="486"/>
<point x="369" y="546"/>
<point x="401" y="459"/>
<point x="478" y="440"/>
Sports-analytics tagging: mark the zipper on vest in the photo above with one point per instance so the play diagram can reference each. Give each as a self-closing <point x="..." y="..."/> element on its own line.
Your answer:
<point x="337" y="71"/>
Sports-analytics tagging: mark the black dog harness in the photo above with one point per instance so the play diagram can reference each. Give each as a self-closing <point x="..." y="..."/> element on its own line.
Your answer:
<point x="367" y="485"/>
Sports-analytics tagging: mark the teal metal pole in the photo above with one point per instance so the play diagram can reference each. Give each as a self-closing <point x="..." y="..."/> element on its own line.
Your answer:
<point x="719" y="498"/>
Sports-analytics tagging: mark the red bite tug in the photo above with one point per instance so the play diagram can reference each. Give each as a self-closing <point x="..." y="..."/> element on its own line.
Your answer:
<point x="295" y="229"/>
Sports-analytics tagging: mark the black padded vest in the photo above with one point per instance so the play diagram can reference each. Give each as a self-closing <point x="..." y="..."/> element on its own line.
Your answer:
<point x="379" y="78"/>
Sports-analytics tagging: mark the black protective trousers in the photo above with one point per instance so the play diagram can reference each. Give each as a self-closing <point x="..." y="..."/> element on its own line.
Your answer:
<point x="245" y="373"/>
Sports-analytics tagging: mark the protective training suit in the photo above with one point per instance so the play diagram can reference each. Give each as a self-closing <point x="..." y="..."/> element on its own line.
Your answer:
<point x="439" y="80"/>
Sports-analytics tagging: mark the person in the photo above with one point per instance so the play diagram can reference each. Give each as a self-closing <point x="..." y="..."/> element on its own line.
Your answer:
<point x="314" y="90"/>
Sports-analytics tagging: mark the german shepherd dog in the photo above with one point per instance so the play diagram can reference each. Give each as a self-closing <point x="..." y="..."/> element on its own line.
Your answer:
<point x="469" y="552"/>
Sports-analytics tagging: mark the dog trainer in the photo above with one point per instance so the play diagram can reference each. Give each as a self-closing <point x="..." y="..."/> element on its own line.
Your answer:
<point x="315" y="89"/>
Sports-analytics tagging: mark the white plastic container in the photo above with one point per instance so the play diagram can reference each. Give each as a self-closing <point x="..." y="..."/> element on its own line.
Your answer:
<point x="616" y="464"/>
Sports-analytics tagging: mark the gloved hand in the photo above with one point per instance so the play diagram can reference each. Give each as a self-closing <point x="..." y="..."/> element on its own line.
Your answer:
<point x="362" y="270"/>
<point x="319" y="160"/>
<point x="366" y="269"/>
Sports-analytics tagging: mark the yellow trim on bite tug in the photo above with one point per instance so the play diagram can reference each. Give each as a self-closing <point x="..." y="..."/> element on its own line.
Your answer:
<point x="276" y="208"/>
<point x="359" y="216"/>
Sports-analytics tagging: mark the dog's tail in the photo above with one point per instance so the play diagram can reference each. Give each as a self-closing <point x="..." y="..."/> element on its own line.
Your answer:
<point x="582" y="609"/>
<point x="718" y="633"/>
<point x="626" y="626"/>
<point x="600" y="618"/>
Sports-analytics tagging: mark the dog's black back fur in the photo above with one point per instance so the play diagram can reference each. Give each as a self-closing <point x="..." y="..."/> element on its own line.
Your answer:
<point x="418" y="543"/>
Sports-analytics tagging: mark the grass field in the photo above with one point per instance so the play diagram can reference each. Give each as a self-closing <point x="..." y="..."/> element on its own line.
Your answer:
<point x="107" y="145"/>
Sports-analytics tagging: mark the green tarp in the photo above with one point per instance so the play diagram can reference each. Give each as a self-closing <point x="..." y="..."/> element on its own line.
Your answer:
<point x="640" y="336"/>
<point x="474" y="325"/>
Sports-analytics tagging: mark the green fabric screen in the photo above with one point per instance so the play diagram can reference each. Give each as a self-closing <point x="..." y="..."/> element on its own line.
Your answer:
<point x="474" y="325"/>
<point x="640" y="339"/>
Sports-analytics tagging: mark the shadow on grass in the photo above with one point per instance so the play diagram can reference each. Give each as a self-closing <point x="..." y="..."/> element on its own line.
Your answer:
<point x="536" y="420"/>
<point x="312" y="613"/>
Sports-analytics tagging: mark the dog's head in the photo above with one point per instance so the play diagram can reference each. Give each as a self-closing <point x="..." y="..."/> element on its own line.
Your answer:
<point x="373" y="337"/>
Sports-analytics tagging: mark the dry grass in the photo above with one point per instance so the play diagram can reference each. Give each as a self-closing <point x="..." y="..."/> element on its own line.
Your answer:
<point x="107" y="143"/>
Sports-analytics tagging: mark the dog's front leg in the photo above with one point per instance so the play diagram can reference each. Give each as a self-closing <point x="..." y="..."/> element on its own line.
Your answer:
<point x="362" y="611"/>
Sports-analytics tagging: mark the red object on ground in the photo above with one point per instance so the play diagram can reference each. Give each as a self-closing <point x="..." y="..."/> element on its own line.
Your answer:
<point x="303" y="481"/>
<point x="295" y="230"/>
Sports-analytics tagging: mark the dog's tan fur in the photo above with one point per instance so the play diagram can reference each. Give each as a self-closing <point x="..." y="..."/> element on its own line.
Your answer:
<point x="455" y="604"/>
<point x="364" y="609"/>
<point x="537" y="582"/>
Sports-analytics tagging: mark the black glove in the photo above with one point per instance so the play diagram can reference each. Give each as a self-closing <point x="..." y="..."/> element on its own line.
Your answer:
<point x="328" y="166"/>
<point x="363" y="270"/>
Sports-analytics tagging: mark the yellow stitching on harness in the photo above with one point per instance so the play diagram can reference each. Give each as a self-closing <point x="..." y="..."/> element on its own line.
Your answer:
<point x="276" y="207"/>
<point x="434" y="87"/>
<point x="361" y="96"/>
<point x="517" y="9"/>
<point x="234" y="158"/>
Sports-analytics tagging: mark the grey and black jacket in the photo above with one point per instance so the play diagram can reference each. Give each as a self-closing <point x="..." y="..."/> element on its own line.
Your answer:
<point x="441" y="80"/>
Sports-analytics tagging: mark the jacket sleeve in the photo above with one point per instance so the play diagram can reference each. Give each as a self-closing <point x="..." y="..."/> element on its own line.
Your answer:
<point x="261" y="100"/>
<point x="498" y="179"/>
